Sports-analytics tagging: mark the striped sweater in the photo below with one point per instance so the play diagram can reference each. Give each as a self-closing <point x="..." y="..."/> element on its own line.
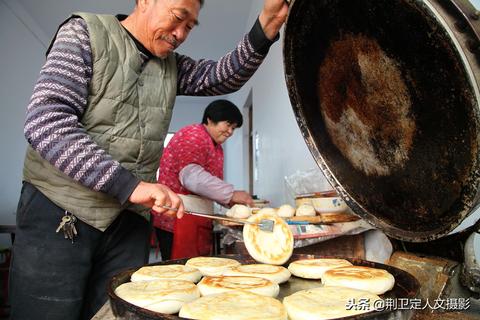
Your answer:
<point x="59" y="99"/>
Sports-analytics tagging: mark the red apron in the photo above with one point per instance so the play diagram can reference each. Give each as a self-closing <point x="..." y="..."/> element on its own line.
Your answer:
<point x="192" y="237"/>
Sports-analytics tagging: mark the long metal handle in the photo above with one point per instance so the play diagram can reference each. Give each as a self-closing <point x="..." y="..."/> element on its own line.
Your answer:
<point x="211" y="216"/>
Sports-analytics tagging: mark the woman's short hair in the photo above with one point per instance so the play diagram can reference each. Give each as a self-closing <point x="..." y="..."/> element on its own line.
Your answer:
<point x="222" y="110"/>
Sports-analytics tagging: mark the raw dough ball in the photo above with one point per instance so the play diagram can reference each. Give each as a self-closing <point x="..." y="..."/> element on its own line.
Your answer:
<point x="267" y="210"/>
<point x="306" y="210"/>
<point x="286" y="211"/>
<point x="239" y="211"/>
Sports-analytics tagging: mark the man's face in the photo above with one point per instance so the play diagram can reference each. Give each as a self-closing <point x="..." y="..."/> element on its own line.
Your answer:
<point x="168" y="23"/>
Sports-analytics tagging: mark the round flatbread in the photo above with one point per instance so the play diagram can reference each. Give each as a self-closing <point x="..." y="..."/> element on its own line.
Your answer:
<point x="315" y="268"/>
<point x="276" y="274"/>
<point x="212" y="266"/>
<point x="377" y="281"/>
<point x="328" y="303"/>
<point x="215" y="285"/>
<point x="165" y="296"/>
<point x="171" y="271"/>
<point x="234" y="305"/>
<point x="268" y="247"/>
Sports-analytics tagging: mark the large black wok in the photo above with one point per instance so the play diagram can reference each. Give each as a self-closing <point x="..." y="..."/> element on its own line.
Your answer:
<point x="386" y="94"/>
<point x="406" y="288"/>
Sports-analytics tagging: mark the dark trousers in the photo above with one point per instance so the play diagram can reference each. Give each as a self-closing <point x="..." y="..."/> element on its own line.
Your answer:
<point x="165" y="242"/>
<point x="53" y="278"/>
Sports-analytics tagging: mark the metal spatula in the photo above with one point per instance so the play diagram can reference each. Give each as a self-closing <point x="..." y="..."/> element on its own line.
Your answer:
<point x="264" y="224"/>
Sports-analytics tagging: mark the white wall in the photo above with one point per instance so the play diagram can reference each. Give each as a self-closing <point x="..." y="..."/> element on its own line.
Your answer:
<point x="21" y="59"/>
<point x="282" y="150"/>
<point x="188" y="110"/>
<point x="236" y="169"/>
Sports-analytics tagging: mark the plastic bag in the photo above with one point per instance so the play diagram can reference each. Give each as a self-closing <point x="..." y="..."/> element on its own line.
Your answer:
<point x="308" y="181"/>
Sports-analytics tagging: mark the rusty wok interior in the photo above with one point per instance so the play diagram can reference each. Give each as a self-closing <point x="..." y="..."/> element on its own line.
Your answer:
<point x="386" y="95"/>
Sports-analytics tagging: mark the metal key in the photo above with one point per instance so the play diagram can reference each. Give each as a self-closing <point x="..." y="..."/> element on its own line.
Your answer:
<point x="74" y="230"/>
<point x="71" y="230"/>
<point x="65" y="220"/>
<point x="68" y="226"/>
<point x="67" y="230"/>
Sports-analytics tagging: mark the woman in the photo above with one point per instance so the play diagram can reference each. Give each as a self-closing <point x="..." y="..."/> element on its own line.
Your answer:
<point x="192" y="166"/>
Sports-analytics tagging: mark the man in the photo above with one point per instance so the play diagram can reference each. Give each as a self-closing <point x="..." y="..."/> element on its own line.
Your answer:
<point x="95" y="125"/>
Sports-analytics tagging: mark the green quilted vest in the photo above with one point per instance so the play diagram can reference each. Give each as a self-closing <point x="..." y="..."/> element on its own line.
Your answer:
<point x="128" y="114"/>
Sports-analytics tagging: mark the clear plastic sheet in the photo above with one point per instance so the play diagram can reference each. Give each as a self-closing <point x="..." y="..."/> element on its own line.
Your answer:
<point x="307" y="181"/>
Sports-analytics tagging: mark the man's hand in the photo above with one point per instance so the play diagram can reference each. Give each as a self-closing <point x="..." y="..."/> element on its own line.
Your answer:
<point x="241" y="197"/>
<point x="273" y="16"/>
<point x="154" y="195"/>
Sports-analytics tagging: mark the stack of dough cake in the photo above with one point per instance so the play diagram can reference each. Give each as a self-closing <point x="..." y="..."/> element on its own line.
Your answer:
<point x="214" y="285"/>
<point x="345" y="285"/>
<point x="340" y="272"/>
<point x="212" y="266"/>
<point x="377" y="281"/>
<point x="276" y="274"/>
<point x="166" y="272"/>
<point x="223" y="274"/>
<point x="234" y="305"/>
<point x="328" y="303"/>
<point x="164" y="296"/>
<point x="162" y="288"/>
<point x="315" y="268"/>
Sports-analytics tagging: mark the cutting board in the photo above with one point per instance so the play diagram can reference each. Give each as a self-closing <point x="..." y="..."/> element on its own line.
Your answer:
<point x="323" y="218"/>
<point x="327" y="218"/>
